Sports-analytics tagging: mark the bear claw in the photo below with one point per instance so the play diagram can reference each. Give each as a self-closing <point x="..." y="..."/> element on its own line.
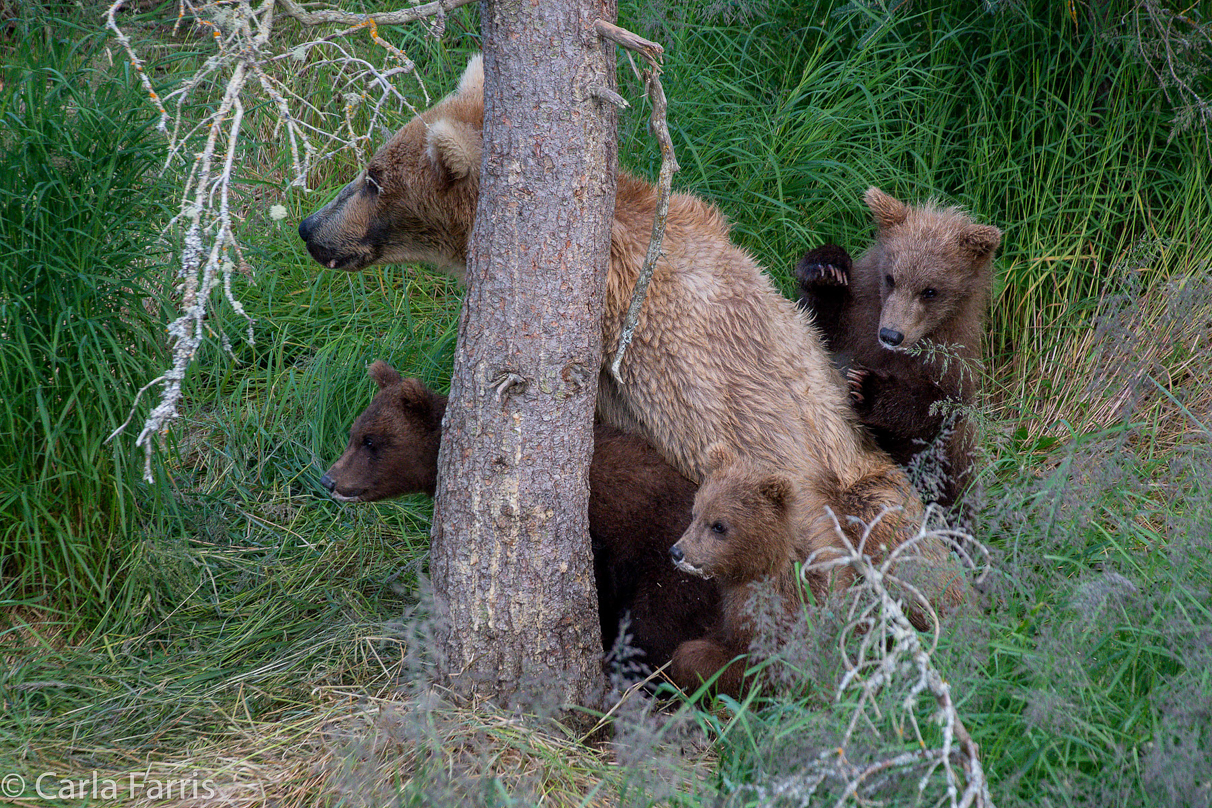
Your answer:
<point x="827" y="274"/>
<point x="855" y="377"/>
<point x="827" y="266"/>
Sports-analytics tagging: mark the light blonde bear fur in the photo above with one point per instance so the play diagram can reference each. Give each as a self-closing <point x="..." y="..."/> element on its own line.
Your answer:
<point x="719" y="355"/>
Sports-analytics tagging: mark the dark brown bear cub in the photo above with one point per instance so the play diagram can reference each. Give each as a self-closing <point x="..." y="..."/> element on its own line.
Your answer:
<point x="638" y="507"/>
<point x="743" y="537"/>
<point x="906" y="322"/>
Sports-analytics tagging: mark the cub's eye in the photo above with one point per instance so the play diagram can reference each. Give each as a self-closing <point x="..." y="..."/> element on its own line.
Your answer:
<point x="370" y="443"/>
<point x="889" y="281"/>
<point x="372" y="184"/>
<point x="927" y="294"/>
<point x="719" y="528"/>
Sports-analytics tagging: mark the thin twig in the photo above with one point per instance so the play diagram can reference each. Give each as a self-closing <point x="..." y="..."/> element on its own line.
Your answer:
<point x="652" y="53"/>
<point x="887" y="668"/>
<point x="406" y="15"/>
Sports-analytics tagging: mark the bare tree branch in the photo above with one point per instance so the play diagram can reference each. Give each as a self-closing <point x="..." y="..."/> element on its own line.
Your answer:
<point x="1177" y="48"/>
<point x="651" y="77"/>
<point x="205" y="147"/>
<point x="436" y="9"/>
<point x="886" y="663"/>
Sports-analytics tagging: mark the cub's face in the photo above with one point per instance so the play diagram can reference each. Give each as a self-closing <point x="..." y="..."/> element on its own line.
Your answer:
<point x="416" y="199"/>
<point x="931" y="262"/>
<point x="920" y="291"/>
<point x="393" y="444"/>
<point x="740" y="529"/>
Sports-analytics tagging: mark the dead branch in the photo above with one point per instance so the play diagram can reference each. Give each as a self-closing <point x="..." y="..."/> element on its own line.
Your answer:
<point x="658" y="123"/>
<point x="1175" y="47"/>
<point x="436" y="9"/>
<point x="205" y="148"/>
<point x="888" y="669"/>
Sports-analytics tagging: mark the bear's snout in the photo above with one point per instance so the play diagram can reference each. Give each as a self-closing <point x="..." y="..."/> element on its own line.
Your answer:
<point x="890" y="337"/>
<point x="679" y="560"/>
<point x="328" y="482"/>
<point x="306" y="227"/>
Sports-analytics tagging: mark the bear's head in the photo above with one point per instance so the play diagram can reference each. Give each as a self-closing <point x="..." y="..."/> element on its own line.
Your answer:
<point x="393" y="444"/>
<point x="934" y="261"/>
<point x="416" y="200"/>
<point x="742" y="528"/>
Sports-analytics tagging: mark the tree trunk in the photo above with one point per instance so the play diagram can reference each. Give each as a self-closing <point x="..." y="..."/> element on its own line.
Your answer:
<point x="511" y="564"/>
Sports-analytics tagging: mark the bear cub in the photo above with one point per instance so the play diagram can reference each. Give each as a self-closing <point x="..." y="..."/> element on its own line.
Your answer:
<point x="905" y="323"/>
<point x="743" y="537"/>
<point x="638" y="507"/>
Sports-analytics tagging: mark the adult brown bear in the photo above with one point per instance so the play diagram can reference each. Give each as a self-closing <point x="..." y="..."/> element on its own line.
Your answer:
<point x="719" y="355"/>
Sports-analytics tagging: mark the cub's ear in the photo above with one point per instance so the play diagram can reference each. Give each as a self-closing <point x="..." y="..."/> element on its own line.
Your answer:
<point x="778" y="491"/>
<point x="981" y="240"/>
<point x="383" y="374"/>
<point x="453" y="147"/>
<point x="719" y="457"/>
<point x="419" y="400"/>
<point x="886" y="211"/>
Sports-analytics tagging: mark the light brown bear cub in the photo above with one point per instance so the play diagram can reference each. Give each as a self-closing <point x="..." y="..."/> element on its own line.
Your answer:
<point x="907" y="320"/>
<point x="744" y="536"/>
<point x="638" y="507"/>
<point x="719" y="355"/>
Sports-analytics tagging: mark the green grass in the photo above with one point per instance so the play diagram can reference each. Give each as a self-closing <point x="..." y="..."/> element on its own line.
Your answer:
<point x="80" y="317"/>
<point x="231" y="618"/>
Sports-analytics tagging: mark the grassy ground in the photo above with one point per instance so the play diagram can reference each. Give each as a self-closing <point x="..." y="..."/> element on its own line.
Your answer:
<point x="230" y="626"/>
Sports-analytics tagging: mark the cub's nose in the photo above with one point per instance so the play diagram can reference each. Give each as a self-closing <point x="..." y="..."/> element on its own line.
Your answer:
<point x="676" y="553"/>
<point x="328" y="482"/>
<point x="891" y="338"/>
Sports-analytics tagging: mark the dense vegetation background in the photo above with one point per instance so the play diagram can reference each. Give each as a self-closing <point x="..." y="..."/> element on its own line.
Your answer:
<point x="229" y="622"/>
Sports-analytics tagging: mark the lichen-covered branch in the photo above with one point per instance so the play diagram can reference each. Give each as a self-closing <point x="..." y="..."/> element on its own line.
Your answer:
<point x="203" y="120"/>
<point x="658" y="122"/>
<point x="889" y="672"/>
<point x="1177" y="48"/>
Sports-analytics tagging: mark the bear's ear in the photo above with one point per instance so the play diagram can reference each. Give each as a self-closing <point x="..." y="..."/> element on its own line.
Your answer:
<point x="453" y="147"/>
<point x="981" y="240"/>
<point x="778" y="491"/>
<point x="383" y="374"/>
<point x="416" y="398"/>
<point x="886" y="211"/>
<point x="473" y="76"/>
<point x="719" y="457"/>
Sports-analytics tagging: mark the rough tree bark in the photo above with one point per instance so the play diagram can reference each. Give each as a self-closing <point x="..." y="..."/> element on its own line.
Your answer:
<point x="511" y="565"/>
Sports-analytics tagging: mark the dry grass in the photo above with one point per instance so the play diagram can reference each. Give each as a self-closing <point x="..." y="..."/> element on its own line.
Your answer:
<point x="1127" y="359"/>
<point x="351" y="748"/>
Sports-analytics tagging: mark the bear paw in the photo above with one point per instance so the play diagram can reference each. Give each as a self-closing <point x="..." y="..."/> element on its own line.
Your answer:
<point x="828" y="265"/>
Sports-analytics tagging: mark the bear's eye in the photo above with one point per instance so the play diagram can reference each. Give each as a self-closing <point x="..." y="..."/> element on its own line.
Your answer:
<point x="719" y="528"/>
<point x="890" y="282"/>
<point x="927" y="294"/>
<point x="370" y="443"/>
